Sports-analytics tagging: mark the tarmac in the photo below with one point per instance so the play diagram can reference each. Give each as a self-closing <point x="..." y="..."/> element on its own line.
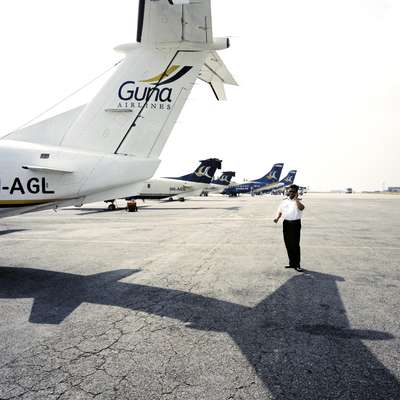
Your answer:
<point x="192" y="301"/>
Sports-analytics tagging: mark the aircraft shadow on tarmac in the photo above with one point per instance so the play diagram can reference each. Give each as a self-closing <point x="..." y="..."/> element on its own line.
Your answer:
<point x="89" y="211"/>
<point x="150" y="208"/>
<point x="298" y="339"/>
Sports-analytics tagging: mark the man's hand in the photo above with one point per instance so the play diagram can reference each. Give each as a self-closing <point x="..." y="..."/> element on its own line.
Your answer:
<point x="300" y="205"/>
<point x="278" y="217"/>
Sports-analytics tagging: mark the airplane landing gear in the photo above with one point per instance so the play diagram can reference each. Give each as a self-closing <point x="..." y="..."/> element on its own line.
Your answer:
<point x="181" y="199"/>
<point x="112" y="207"/>
<point x="131" y="206"/>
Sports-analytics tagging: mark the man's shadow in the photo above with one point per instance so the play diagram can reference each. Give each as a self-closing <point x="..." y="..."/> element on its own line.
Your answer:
<point x="298" y="340"/>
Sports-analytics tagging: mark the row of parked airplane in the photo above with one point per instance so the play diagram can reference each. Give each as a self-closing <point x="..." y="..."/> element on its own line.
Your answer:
<point x="202" y="182"/>
<point x="110" y="147"/>
<point x="266" y="184"/>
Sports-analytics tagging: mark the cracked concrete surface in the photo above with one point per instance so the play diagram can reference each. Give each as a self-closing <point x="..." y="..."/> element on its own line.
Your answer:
<point x="191" y="301"/>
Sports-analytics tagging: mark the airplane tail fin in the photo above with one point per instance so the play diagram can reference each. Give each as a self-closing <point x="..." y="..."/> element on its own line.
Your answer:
<point x="289" y="179"/>
<point x="225" y="179"/>
<point x="273" y="175"/>
<point x="204" y="173"/>
<point x="135" y="111"/>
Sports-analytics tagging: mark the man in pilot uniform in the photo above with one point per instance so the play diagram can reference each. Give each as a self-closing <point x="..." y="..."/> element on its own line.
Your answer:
<point x="291" y="209"/>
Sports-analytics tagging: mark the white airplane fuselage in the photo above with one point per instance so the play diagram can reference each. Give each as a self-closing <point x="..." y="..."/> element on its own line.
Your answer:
<point x="111" y="146"/>
<point x="215" y="188"/>
<point x="35" y="177"/>
<point x="163" y="188"/>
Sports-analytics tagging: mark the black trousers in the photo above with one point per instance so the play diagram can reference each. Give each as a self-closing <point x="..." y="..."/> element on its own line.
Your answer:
<point x="291" y="236"/>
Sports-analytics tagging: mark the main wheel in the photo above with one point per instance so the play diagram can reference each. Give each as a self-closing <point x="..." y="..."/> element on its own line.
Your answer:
<point x="112" y="207"/>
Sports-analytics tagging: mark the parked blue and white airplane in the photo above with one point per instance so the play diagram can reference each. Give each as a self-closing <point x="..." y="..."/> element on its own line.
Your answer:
<point x="281" y="185"/>
<point x="249" y="187"/>
<point x="220" y="184"/>
<point x="180" y="187"/>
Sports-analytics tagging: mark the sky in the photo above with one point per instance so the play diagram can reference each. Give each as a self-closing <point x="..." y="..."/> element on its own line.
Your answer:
<point x="319" y="83"/>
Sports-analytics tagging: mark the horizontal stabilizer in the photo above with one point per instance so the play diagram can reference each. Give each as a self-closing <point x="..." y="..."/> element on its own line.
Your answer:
<point x="38" y="168"/>
<point x="215" y="73"/>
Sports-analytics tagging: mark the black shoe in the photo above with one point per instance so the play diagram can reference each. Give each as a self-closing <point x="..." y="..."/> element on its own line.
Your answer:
<point x="288" y="266"/>
<point x="299" y="269"/>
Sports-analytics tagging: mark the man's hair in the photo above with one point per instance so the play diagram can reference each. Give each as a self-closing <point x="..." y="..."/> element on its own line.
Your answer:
<point x="294" y="187"/>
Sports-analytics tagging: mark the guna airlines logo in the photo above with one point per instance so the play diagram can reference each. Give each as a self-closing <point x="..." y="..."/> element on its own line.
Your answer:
<point x="154" y="93"/>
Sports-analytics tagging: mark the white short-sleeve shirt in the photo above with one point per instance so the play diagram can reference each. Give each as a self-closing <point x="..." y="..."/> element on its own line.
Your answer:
<point x="289" y="210"/>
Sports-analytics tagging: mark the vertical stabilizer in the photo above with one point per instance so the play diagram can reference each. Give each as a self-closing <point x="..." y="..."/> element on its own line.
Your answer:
<point x="289" y="178"/>
<point x="204" y="173"/>
<point x="136" y="110"/>
<point x="273" y="175"/>
<point x="225" y="179"/>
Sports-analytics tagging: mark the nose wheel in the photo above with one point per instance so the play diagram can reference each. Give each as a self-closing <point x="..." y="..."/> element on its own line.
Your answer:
<point x="112" y="207"/>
